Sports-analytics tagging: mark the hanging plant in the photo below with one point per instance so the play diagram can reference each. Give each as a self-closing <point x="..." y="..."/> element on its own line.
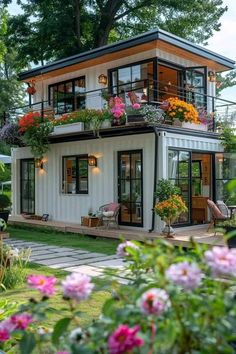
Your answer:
<point x="35" y="131"/>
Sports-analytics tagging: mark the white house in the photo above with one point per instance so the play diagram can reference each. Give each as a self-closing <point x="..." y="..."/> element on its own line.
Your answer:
<point x="130" y="158"/>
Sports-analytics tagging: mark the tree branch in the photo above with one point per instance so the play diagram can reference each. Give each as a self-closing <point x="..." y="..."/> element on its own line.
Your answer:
<point x="131" y="9"/>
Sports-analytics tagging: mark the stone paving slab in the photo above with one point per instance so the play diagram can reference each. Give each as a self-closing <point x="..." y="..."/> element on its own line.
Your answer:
<point x="116" y="263"/>
<point x="86" y="269"/>
<point x="61" y="260"/>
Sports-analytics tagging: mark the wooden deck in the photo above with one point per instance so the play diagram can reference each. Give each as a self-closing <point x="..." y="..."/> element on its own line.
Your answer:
<point x="182" y="236"/>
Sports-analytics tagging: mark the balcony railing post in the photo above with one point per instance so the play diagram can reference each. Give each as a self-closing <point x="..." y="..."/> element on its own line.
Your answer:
<point x="213" y="114"/>
<point x="42" y="110"/>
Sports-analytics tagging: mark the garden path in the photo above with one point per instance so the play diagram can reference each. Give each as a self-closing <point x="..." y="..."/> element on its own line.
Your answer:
<point x="71" y="259"/>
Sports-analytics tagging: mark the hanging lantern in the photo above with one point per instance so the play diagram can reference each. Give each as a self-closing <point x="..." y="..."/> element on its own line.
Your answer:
<point x="31" y="90"/>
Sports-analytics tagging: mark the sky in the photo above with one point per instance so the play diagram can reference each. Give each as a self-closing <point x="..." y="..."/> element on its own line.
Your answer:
<point x="222" y="42"/>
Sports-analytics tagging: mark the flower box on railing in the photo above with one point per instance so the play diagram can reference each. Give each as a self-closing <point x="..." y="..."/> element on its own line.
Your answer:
<point x="68" y="128"/>
<point x="201" y="126"/>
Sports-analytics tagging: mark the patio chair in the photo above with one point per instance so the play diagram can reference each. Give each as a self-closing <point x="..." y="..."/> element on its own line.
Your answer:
<point x="223" y="208"/>
<point x="216" y="214"/>
<point x="109" y="214"/>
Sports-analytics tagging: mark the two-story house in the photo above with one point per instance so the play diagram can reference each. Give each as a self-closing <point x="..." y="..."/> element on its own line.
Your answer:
<point x="130" y="158"/>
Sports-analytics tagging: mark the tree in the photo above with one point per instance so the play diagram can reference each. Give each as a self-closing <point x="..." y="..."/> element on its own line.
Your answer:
<point x="52" y="29"/>
<point x="3" y="29"/>
<point x="229" y="80"/>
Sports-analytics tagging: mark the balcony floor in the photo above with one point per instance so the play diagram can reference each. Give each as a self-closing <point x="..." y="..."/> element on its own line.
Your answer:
<point x="182" y="235"/>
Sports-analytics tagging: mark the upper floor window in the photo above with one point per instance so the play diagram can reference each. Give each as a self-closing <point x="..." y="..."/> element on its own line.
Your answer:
<point x="68" y="96"/>
<point x="75" y="174"/>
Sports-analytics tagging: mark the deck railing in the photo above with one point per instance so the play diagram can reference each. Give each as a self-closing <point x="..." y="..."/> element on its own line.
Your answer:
<point x="214" y="110"/>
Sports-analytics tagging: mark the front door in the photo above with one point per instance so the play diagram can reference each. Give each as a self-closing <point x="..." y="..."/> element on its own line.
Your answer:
<point x="27" y="186"/>
<point x="130" y="187"/>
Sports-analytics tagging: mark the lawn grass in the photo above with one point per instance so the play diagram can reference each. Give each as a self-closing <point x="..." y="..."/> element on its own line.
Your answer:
<point x="52" y="237"/>
<point x="91" y="308"/>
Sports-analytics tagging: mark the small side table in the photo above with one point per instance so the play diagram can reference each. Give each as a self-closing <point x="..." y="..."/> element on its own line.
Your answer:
<point x="231" y="208"/>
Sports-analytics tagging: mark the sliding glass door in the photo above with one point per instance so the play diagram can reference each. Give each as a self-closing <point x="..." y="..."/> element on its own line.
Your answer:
<point x="130" y="187"/>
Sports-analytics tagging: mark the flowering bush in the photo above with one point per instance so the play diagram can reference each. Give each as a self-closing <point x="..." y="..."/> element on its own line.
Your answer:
<point x="174" y="302"/>
<point x="85" y="116"/>
<point x="152" y="114"/>
<point x="178" y="109"/>
<point x="35" y="132"/>
<point x="117" y="108"/>
<point x="169" y="210"/>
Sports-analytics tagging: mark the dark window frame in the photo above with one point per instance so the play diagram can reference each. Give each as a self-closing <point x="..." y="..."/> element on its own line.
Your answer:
<point x="22" y="161"/>
<point x="77" y="178"/>
<point x="50" y="99"/>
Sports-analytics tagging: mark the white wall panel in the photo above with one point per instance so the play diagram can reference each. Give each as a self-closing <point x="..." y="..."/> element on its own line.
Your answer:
<point x="102" y="180"/>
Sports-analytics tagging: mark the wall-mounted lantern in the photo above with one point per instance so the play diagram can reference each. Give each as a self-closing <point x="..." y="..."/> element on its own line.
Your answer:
<point x="211" y="76"/>
<point x="102" y="79"/>
<point x="92" y="161"/>
<point x="38" y="163"/>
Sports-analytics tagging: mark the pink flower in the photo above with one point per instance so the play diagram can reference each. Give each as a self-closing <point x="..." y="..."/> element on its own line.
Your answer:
<point x="154" y="301"/>
<point x="185" y="274"/>
<point x="124" y="339"/>
<point x="77" y="286"/>
<point x="221" y="260"/>
<point x="121" y="249"/>
<point x="6" y="328"/>
<point x="136" y="106"/>
<point x="63" y="352"/>
<point x="42" y="283"/>
<point x="21" y="321"/>
<point x="117" y="113"/>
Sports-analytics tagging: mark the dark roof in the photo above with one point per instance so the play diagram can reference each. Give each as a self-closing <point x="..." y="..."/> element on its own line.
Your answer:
<point x="131" y="42"/>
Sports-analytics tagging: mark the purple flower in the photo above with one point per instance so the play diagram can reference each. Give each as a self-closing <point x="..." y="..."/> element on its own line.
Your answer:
<point x="77" y="286"/>
<point x="124" y="340"/>
<point x="121" y="249"/>
<point x="185" y="274"/>
<point x="10" y="134"/>
<point x="6" y="327"/>
<point x="154" y="301"/>
<point x="221" y="260"/>
<point x="21" y="320"/>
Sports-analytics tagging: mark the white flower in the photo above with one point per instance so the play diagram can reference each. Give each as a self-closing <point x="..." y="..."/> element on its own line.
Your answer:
<point x="76" y="335"/>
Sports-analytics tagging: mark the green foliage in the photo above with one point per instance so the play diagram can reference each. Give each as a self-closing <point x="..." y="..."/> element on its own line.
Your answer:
<point x="228" y="80"/>
<point x="7" y="308"/>
<point x="3" y="30"/>
<point x="165" y="189"/>
<point x="5" y="201"/>
<point x="79" y="25"/>
<point x="228" y="139"/>
<point x="188" y="324"/>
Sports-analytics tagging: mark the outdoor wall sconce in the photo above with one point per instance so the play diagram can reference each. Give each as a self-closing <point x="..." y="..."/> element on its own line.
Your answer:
<point x="211" y="76"/>
<point x="92" y="161"/>
<point x="102" y="79"/>
<point x="38" y="163"/>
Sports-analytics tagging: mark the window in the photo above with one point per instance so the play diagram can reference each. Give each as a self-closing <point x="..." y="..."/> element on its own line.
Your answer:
<point x="75" y="175"/>
<point x="67" y="96"/>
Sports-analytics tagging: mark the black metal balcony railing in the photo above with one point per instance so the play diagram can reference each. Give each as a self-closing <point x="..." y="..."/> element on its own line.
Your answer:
<point x="213" y="110"/>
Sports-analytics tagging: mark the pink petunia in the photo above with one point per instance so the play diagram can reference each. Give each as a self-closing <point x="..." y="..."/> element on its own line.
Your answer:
<point x="46" y="285"/>
<point x="154" y="301"/>
<point x="121" y="250"/>
<point x="124" y="339"/>
<point x="136" y="106"/>
<point x="77" y="286"/>
<point x="63" y="352"/>
<point x="21" y="321"/>
<point x="185" y="274"/>
<point x="6" y="328"/>
<point x="221" y="260"/>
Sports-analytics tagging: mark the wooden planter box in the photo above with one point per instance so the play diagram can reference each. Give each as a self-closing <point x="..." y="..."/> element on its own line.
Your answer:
<point x="90" y="221"/>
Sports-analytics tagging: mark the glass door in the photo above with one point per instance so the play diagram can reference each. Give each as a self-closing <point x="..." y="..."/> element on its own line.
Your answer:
<point x="179" y="173"/>
<point x="195" y="85"/>
<point x="130" y="187"/>
<point x="27" y="186"/>
<point x="225" y="171"/>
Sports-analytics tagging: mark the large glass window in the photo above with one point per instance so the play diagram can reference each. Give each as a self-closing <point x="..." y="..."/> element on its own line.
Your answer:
<point x="225" y="171"/>
<point x="133" y="82"/>
<point x="67" y="96"/>
<point x="75" y="175"/>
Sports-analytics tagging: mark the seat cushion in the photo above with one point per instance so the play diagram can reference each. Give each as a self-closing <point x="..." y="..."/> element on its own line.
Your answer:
<point x="108" y="213"/>
<point x="111" y="207"/>
<point x="223" y="208"/>
<point x="215" y="210"/>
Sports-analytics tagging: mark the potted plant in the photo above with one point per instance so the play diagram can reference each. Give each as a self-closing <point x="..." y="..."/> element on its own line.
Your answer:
<point x="178" y="111"/>
<point x="5" y="203"/>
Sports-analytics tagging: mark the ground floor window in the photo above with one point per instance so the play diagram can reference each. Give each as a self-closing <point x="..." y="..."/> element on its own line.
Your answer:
<point x="75" y="174"/>
<point x="225" y="170"/>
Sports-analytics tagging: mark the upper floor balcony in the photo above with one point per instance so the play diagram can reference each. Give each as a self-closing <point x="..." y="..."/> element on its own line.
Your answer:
<point x="138" y="100"/>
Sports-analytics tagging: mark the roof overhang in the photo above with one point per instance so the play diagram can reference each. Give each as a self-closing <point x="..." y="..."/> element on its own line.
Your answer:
<point x="150" y="40"/>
